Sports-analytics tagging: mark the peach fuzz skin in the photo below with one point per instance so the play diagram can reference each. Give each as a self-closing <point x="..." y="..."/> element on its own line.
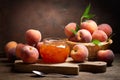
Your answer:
<point x="33" y="36"/>
<point x="106" y="55"/>
<point x="106" y="28"/>
<point x="19" y="49"/>
<point x="29" y="54"/>
<point x="10" y="45"/>
<point x="79" y="53"/>
<point x="38" y="47"/>
<point x="83" y="35"/>
<point x="89" y="25"/>
<point x="68" y="29"/>
<point x="10" y="48"/>
<point x="99" y="35"/>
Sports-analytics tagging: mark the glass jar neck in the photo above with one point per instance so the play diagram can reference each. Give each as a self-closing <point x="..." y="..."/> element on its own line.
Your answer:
<point x="52" y="40"/>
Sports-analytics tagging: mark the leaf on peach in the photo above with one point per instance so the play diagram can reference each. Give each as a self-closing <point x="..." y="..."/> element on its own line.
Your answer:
<point x="86" y="13"/>
<point x="96" y="42"/>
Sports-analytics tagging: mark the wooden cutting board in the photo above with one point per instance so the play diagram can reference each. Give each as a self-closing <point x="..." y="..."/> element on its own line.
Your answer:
<point x="68" y="67"/>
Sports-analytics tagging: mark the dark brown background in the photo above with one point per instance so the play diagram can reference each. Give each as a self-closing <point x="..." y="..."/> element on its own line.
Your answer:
<point x="50" y="17"/>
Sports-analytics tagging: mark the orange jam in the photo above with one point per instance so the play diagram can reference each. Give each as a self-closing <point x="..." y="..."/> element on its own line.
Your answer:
<point x="54" y="50"/>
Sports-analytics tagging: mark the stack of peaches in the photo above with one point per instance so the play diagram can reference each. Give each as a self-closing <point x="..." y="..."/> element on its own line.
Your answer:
<point x="29" y="51"/>
<point x="89" y="32"/>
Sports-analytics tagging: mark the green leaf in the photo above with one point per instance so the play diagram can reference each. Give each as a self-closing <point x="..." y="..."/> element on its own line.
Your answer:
<point x="77" y="27"/>
<point x="86" y="14"/>
<point x="89" y="16"/>
<point x="87" y="10"/>
<point x="96" y="42"/>
<point x="74" y="31"/>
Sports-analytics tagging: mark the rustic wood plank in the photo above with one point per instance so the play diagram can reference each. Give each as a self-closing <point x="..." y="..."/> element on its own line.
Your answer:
<point x="93" y="66"/>
<point x="68" y="67"/>
<point x="62" y="68"/>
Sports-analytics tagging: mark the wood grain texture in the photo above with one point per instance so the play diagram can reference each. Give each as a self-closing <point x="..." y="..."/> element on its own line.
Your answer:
<point x="62" y="68"/>
<point x="93" y="66"/>
<point x="68" y="67"/>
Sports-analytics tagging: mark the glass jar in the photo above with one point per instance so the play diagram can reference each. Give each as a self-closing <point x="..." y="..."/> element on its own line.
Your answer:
<point x="54" y="50"/>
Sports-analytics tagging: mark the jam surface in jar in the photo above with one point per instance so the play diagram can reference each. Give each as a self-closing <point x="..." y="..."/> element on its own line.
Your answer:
<point x="54" y="50"/>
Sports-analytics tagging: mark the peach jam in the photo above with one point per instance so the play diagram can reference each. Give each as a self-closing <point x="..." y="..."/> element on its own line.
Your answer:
<point x="54" y="50"/>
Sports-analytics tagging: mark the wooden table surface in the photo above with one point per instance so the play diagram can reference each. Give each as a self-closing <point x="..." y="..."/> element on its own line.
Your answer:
<point x="112" y="73"/>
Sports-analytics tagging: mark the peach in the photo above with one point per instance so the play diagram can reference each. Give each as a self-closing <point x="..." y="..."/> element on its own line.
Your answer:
<point x="19" y="49"/>
<point x="83" y="35"/>
<point x="29" y="54"/>
<point x="90" y="25"/>
<point x="106" y="28"/>
<point x="73" y="38"/>
<point x="68" y="29"/>
<point x="106" y="55"/>
<point x="11" y="55"/>
<point x="33" y="36"/>
<point x="79" y="53"/>
<point x="10" y="45"/>
<point x="10" y="50"/>
<point x="99" y="35"/>
<point x="38" y="46"/>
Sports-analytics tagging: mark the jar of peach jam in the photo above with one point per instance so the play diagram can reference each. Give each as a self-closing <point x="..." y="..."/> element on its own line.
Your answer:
<point x="54" y="50"/>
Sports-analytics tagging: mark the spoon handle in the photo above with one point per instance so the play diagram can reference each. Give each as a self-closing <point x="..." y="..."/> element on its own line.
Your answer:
<point x="41" y="74"/>
<point x="58" y="75"/>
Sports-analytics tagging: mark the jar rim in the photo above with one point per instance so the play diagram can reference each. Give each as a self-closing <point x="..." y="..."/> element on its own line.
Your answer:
<point x="52" y="39"/>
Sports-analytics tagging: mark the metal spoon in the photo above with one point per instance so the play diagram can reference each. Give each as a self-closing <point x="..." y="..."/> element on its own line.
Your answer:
<point x="41" y="74"/>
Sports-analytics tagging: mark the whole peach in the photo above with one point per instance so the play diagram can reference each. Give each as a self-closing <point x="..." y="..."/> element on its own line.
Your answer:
<point x="19" y="49"/>
<point x="11" y="55"/>
<point x="106" y="28"/>
<point x="83" y="35"/>
<point x="38" y="46"/>
<point x="10" y="50"/>
<point x="29" y="54"/>
<point x="79" y="53"/>
<point x="33" y="36"/>
<point x="106" y="55"/>
<point x="99" y="35"/>
<point x="68" y="29"/>
<point x="90" y="25"/>
<point x="10" y="45"/>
